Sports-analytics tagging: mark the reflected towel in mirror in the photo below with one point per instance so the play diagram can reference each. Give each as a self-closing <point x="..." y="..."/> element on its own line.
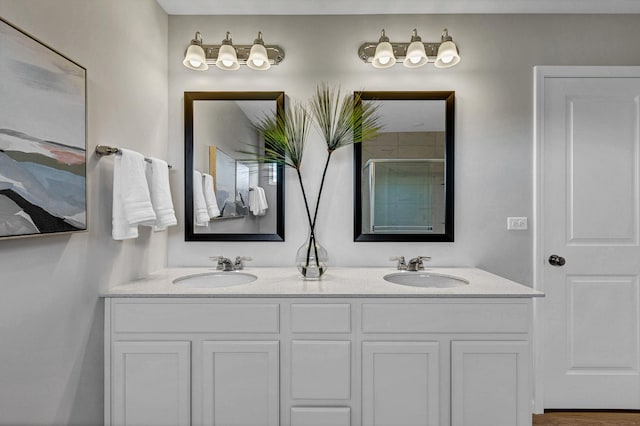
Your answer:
<point x="258" y="201"/>
<point x="210" y="196"/>
<point x="200" y="214"/>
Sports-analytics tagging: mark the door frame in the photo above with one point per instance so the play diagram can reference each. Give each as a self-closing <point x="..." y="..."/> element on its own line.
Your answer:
<point x="540" y="73"/>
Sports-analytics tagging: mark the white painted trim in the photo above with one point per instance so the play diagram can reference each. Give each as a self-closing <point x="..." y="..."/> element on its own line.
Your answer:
<point x="385" y="7"/>
<point x="107" y="361"/>
<point x="539" y="75"/>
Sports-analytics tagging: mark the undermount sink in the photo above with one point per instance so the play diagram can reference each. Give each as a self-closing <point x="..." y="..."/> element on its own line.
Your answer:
<point x="424" y="279"/>
<point x="216" y="279"/>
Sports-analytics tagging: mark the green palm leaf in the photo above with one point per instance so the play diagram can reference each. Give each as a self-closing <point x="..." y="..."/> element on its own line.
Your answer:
<point x="343" y="121"/>
<point x="285" y="136"/>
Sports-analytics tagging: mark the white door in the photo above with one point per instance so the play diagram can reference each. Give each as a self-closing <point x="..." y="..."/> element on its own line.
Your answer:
<point x="587" y="152"/>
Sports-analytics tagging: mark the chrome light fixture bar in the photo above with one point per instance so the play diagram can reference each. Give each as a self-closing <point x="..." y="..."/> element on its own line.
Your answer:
<point x="414" y="54"/>
<point x="227" y="56"/>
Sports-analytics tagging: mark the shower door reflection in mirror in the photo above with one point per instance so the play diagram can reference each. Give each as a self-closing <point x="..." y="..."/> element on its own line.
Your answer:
<point x="229" y="195"/>
<point x="404" y="177"/>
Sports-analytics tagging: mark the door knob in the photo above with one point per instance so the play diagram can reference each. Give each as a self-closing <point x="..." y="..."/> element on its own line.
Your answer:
<point x="556" y="260"/>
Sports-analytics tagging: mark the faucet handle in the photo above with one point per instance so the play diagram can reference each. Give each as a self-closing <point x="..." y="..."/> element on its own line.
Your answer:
<point x="402" y="265"/>
<point x="415" y="264"/>
<point x="239" y="263"/>
<point x="221" y="261"/>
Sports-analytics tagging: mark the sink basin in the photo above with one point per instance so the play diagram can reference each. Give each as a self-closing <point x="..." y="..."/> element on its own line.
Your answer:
<point x="216" y="279"/>
<point x="424" y="279"/>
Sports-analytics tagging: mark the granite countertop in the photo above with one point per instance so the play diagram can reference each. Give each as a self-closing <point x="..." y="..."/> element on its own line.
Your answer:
<point x="337" y="282"/>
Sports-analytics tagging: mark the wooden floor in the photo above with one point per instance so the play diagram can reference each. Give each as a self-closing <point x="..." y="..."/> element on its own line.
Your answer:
<point x="586" y="419"/>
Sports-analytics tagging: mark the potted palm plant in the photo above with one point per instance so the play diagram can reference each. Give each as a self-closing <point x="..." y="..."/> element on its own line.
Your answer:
<point x="342" y="121"/>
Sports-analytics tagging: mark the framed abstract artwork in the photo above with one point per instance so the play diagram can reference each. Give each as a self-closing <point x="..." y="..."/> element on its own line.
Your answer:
<point x="42" y="138"/>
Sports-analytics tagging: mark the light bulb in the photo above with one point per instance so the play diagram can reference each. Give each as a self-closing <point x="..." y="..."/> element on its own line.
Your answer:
<point x="258" y="62"/>
<point x="195" y="63"/>
<point x="227" y="63"/>
<point x="384" y="60"/>
<point x="415" y="59"/>
<point x="447" y="59"/>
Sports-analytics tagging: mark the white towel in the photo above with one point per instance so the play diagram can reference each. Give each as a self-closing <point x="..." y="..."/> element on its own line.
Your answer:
<point x="258" y="201"/>
<point x="158" y="180"/>
<point x="131" y="199"/>
<point x="200" y="214"/>
<point x="210" y="196"/>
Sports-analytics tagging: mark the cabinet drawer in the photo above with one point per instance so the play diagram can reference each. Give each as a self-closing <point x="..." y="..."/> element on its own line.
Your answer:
<point x="320" y="416"/>
<point x="445" y="317"/>
<point x="175" y="317"/>
<point x="320" y="318"/>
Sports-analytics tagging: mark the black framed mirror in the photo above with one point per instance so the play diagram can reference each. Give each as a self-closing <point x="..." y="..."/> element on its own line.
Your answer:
<point x="403" y="179"/>
<point x="228" y="195"/>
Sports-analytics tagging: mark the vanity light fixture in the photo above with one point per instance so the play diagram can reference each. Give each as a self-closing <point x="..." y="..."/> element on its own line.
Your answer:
<point x="228" y="57"/>
<point x="416" y="53"/>
<point x="258" y="56"/>
<point x="448" y="54"/>
<point x="195" y="58"/>
<point x="384" y="56"/>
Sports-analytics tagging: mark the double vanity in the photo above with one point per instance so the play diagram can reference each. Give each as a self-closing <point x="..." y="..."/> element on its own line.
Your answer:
<point x="362" y="346"/>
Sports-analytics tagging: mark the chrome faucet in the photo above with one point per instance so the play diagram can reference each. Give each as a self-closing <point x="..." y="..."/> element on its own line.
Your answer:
<point x="226" y="264"/>
<point x="416" y="264"/>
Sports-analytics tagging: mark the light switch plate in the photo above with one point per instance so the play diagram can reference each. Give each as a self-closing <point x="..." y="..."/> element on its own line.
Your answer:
<point x="517" y="223"/>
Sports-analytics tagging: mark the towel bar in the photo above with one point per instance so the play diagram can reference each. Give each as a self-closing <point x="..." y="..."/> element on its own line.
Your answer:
<point x="102" y="150"/>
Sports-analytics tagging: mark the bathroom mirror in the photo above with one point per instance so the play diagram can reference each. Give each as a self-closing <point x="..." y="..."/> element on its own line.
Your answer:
<point x="229" y="196"/>
<point x="403" y="179"/>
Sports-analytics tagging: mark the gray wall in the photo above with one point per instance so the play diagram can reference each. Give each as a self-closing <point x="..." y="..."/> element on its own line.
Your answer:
<point x="50" y="315"/>
<point x="494" y="109"/>
<point x="51" y="326"/>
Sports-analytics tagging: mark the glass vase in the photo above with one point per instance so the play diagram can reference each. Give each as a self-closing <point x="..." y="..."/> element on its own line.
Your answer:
<point x="312" y="259"/>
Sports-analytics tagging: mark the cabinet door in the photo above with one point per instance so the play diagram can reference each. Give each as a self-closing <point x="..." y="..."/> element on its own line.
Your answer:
<point x="151" y="384"/>
<point x="490" y="383"/>
<point x="241" y="383"/>
<point x="400" y="384"/>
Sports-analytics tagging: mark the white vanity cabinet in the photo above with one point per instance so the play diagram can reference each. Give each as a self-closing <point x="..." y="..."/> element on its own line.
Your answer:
<point x="191" y="362"/>
<point x="459" y="362"/>
<point x="317" y="361"/>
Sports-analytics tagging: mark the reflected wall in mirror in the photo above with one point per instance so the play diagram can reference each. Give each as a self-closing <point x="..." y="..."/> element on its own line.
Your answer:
<point x="403" y="179"/>
<point x="229" y="196"/>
